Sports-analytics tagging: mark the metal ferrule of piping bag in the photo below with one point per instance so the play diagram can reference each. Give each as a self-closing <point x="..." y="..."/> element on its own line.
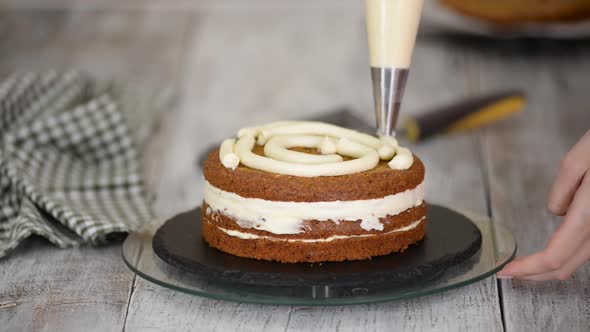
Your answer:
<point x="388" y="89"/>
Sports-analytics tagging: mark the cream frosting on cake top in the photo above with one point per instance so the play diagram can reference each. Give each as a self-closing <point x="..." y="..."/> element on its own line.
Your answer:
<point x="332" y="142"/>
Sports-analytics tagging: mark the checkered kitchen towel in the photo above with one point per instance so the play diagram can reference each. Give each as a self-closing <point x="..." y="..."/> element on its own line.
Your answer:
<point x="69" y="169"/>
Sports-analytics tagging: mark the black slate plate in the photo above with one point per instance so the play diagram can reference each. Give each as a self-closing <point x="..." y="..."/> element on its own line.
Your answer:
<point x="451" y="239"/>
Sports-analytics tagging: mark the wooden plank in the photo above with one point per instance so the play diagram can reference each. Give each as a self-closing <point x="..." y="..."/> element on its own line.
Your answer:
<point x="270" y="65"/>
<point x="136" y="46"/>
<point x="42" y="287"/>
<point x="523" y="156"/>
<point x="473" y="308"/>
<point x="153" y="308"/>
<point x="46" y="288"/>
<point x="180" y="5"/>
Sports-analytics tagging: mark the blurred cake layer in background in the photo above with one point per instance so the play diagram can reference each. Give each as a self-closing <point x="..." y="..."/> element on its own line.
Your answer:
<point x="521" y="11"/>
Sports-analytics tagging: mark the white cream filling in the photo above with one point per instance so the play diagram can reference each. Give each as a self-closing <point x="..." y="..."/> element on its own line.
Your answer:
<point x="287" y="217"/>
<point x="250" y="236"/>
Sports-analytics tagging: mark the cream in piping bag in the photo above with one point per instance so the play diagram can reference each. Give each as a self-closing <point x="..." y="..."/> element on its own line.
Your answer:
<point x="392" y="26"/>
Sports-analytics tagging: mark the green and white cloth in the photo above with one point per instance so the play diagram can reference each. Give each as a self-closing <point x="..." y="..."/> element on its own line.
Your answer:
<point x="69" y="168"/>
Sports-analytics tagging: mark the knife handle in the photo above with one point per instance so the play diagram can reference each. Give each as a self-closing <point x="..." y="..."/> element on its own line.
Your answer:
<point x="465" y="115"/>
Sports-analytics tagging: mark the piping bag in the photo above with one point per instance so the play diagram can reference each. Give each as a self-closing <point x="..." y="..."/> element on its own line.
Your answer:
<point x="392" y="26"/>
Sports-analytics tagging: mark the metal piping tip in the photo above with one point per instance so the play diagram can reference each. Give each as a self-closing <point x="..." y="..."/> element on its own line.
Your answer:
<point x="388" y="89"/>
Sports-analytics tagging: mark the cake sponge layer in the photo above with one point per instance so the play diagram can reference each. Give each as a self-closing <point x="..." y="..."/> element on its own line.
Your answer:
<point x="355" y="248"/>
<point x="251" y="183"/>
<point x="322" y="241"/>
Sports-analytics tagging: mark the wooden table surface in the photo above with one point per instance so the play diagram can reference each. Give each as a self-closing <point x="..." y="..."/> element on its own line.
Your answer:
<point x="233" y="65"/>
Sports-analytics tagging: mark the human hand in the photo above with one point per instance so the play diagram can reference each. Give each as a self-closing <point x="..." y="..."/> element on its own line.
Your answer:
<point x="569" y="246"/>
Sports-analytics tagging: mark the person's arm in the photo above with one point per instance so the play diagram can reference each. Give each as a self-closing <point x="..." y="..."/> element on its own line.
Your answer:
<point x="569" y="246"/>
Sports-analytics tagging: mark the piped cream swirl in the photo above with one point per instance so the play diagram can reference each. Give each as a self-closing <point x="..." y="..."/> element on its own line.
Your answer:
<point x="333" y="142"/>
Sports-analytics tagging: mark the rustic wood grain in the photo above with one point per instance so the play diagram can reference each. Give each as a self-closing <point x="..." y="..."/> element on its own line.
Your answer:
<point x="181" y="4"/>
<point x="523" y="156"/>
<point x="267" y="65"/>
<point x="43" y="288"/>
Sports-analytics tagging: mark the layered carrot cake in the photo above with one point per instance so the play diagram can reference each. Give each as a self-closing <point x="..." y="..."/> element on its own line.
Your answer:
<point x="312" y="192"/>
